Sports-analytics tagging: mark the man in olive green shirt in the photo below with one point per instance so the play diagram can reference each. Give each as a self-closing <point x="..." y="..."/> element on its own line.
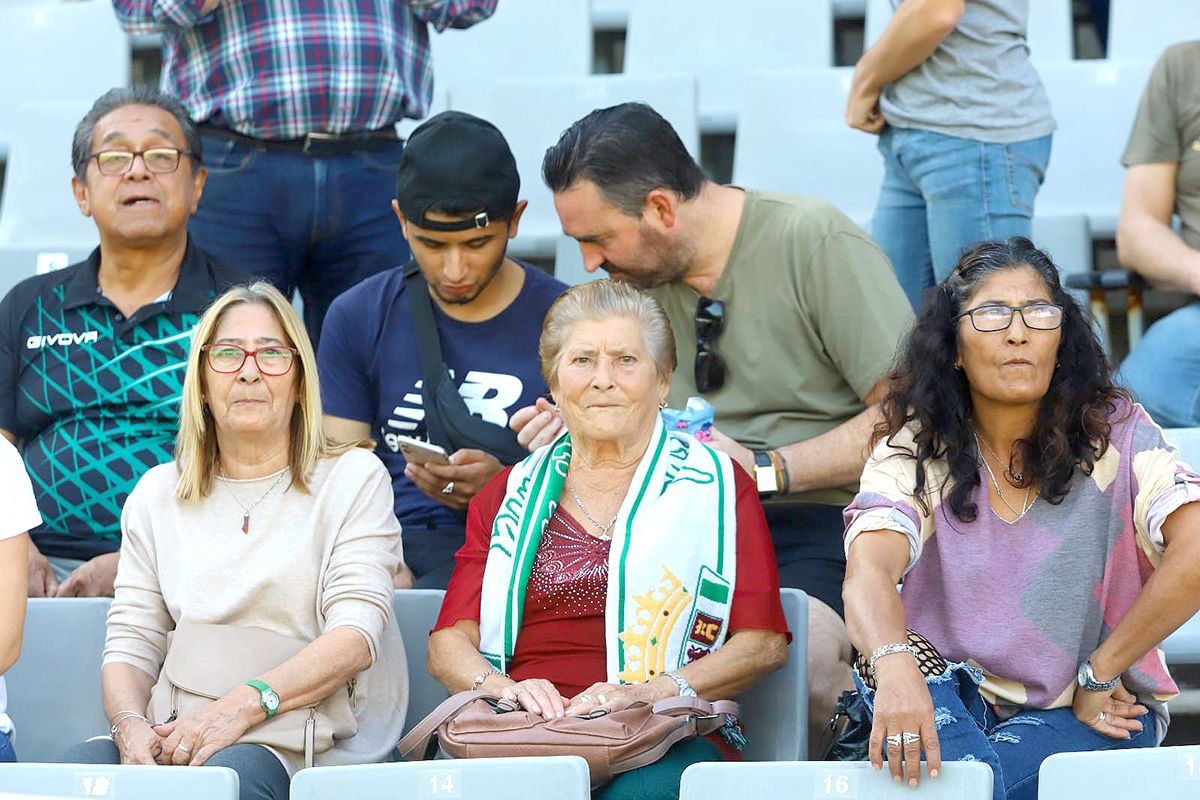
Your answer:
<point x="786" y="318"/>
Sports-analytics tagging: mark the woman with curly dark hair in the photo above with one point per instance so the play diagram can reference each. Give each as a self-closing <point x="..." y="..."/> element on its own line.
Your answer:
<point x="1046" y="537"/>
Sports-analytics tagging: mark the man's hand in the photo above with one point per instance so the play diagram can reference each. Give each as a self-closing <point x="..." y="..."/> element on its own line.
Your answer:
<point x="741" y="456"/>
<point x="92" y="578"/>
<point x="468" y="471"/>
<point x="537" y="424"/>
<point x="209" y="6"/>
<point x="42" y="582"/>
<point x="862" y="108"/>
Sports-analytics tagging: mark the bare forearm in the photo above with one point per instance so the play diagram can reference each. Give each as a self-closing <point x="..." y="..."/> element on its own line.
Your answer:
<point x="913" y="33"/>
<point x="744" y="660"/>
<point x="1157" y="253"/>
<point x="874" y="611"/>
<point x="454" y="660"/>
<point x="321" y="668"/>
<point x="126" y="688"/>
<point x="1169" y="598"/>
<point x="835" y="458"/>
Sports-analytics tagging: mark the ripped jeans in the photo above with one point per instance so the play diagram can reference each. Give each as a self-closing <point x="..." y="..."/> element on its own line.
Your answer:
<point x="969" y="730"/>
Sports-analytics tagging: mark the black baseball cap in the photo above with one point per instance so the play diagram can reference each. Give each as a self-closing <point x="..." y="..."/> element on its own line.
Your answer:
<point x="461" y="160"/>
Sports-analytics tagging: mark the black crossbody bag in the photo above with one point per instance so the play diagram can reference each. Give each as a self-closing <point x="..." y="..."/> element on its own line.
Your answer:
<point x="448" y="421"/>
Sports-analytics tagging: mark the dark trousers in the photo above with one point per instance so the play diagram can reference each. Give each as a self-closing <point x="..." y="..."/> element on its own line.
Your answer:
<point x="259" y="772"/>
<point x="316" y="224"/>
<point x="429" y="553"/>
<point x="809" y="550"/>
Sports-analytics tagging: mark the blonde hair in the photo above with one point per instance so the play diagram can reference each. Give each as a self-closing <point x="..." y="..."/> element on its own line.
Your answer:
<point x="196" y="449"/>
<point x="600" y="300"/>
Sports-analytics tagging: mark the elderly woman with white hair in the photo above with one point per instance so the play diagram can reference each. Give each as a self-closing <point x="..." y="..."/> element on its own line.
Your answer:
<point x="252" y="622"/>
<point x="616" y="522"/>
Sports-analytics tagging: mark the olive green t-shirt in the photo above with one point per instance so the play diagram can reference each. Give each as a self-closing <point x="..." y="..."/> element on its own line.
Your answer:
<point x="813" y="316"/>
<point x="1167" y="129"/>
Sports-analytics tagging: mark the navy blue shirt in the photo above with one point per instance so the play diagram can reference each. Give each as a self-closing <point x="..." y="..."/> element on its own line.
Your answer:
<point x="371" y="372"/>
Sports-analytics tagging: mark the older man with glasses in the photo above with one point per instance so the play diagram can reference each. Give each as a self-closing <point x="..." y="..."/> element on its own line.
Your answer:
<point x="789" y="315"/>
<point x="92" y="356"/>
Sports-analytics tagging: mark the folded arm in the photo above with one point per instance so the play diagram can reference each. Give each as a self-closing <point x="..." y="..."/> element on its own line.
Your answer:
<point x="1146" y="242"/>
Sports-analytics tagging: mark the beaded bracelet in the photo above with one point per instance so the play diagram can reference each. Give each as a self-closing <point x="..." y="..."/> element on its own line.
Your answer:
<point x="483" y="676"/>
<point x="887" y="650"/>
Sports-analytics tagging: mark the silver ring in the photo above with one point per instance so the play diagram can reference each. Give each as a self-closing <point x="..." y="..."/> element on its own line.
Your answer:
<point x="894" y="740"/>
<point x="448" y="489"/>
<point x="517" y="693"/>
<point x="586" y="698"/>
<point x="1102" y="716"/>
<point x="183" y="747"/>
<point x="602" y="699"/>
<point x="910" y="738"/>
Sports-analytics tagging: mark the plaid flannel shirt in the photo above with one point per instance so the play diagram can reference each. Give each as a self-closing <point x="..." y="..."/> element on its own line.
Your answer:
<point x="279" y="69"/>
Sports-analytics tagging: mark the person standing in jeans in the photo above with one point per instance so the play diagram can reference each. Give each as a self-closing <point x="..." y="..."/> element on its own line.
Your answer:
<point x="22" y="515"/>
<point x="964" y="128"/>
<point x="298" y="103"/>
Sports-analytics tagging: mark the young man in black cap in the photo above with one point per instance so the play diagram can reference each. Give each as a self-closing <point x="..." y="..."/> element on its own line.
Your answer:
<point x="444" y="348"/>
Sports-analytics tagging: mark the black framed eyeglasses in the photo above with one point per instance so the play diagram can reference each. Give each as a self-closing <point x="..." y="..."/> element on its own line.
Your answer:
<point x="710" y="366"/>
<point x="991" y="318"/>
<point x="271" y="360"/>
<point x="156" y="159"/>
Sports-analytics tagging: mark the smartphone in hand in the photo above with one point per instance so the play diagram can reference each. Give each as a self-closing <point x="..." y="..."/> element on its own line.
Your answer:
<point x="419" y="452"/>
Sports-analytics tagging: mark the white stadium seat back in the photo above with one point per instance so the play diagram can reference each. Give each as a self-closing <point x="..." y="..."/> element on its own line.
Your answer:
<point x="416" y="613"/>
<point x="792" y="138"/>
<point x="775" y="711"/>
<point x="1167" y="772"/>
<point x="141" y="782"/>
<point x="551" y="778"/>
<point x="830" y="780"/>
<point x="54" y="695"/>
<point x="720" y="44"/>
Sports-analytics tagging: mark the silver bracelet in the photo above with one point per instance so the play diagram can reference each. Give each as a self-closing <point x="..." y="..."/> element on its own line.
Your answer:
<point x="121" y="716"/>
<point x="483" y="676"/>
<point x="887" y="650"/>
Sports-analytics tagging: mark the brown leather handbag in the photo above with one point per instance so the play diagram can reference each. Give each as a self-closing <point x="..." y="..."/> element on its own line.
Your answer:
<point x="204" y="662"/>
<point x="480" y="725"/>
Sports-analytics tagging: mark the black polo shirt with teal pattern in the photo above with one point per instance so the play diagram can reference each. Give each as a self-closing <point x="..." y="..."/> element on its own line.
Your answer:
<point x="93" y="397"/>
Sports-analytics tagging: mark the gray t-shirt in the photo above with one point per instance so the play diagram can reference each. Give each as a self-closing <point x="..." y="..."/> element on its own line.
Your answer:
<point x="978" y="84"/>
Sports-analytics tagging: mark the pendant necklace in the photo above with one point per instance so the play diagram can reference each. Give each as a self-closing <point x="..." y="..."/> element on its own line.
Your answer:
<point x="1025" y="504"/>
<point x="604" y="529"/>
<point x="247" y="509"/>
<point x="1015" y="478"/>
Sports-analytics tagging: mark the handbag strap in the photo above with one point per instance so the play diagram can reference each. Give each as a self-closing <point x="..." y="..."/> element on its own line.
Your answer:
<point x="419" y="743"/>
<point x="701" y="719"/>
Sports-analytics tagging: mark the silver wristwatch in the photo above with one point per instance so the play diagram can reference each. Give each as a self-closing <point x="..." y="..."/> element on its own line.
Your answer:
<point x="1087" y="680"/>
<point x="685" y="688"/>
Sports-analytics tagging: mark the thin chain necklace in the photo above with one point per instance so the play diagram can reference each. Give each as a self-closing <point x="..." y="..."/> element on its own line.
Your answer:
<point x="604" y="529"/>
<point x="1015" y="478"/>
<point x="1025" y="503"/>
<point x="252" y="506"/>
<point x="566" y="523"/>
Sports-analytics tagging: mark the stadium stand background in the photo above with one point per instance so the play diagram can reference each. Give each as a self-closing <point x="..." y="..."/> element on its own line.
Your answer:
<point x="757" y="97"/>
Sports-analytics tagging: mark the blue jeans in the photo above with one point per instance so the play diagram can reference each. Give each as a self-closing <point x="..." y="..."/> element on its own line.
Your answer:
<point x="969" y="730"/>
<point x="942" y="194"/>
<point x="1163" y="371"/>
<point x="319" y="225"/>
<point x="6" y="749"/>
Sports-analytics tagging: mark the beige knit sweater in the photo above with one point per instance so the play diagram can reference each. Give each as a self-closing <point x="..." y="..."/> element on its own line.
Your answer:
<point x="310" y="563"/>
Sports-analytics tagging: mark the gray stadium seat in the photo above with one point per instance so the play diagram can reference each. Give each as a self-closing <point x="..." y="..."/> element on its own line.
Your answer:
<point x="38" y="213"/>
<point x="552" y="778"/>
<point x="58" y="50"/>
<point x="720" y="48"/>
<point x="522" y="39"/>
<point x="1172" y="772"/>
<point x="534" y="113"/>
<point x="119" y="782"/>
<point x="1050" y="34"/>
<point x="792" y="137"/>
<point x="54" y="688"/>
<point x="810" y="780"/>
<point x="775" y="711"/>
<point x="1142" y="29"/>
<point x="416" y="613"/>
<point x="1095" y="103"/>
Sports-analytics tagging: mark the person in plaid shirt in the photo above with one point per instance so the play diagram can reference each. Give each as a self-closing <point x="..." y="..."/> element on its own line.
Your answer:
<point x="297" y="101"/>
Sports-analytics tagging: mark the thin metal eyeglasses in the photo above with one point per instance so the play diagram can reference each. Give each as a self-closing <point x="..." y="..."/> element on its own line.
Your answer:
<point x="271" y="360"/>
<point x="709" y="369"/>
<point x="991" y="318"/>
<point x="157" y="159"/>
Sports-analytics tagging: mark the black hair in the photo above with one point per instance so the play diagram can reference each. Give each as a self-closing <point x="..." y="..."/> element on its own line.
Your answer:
<point x="926" y="391"/>
<point x="627" y="150"/>
<point x="81" y="144"/>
